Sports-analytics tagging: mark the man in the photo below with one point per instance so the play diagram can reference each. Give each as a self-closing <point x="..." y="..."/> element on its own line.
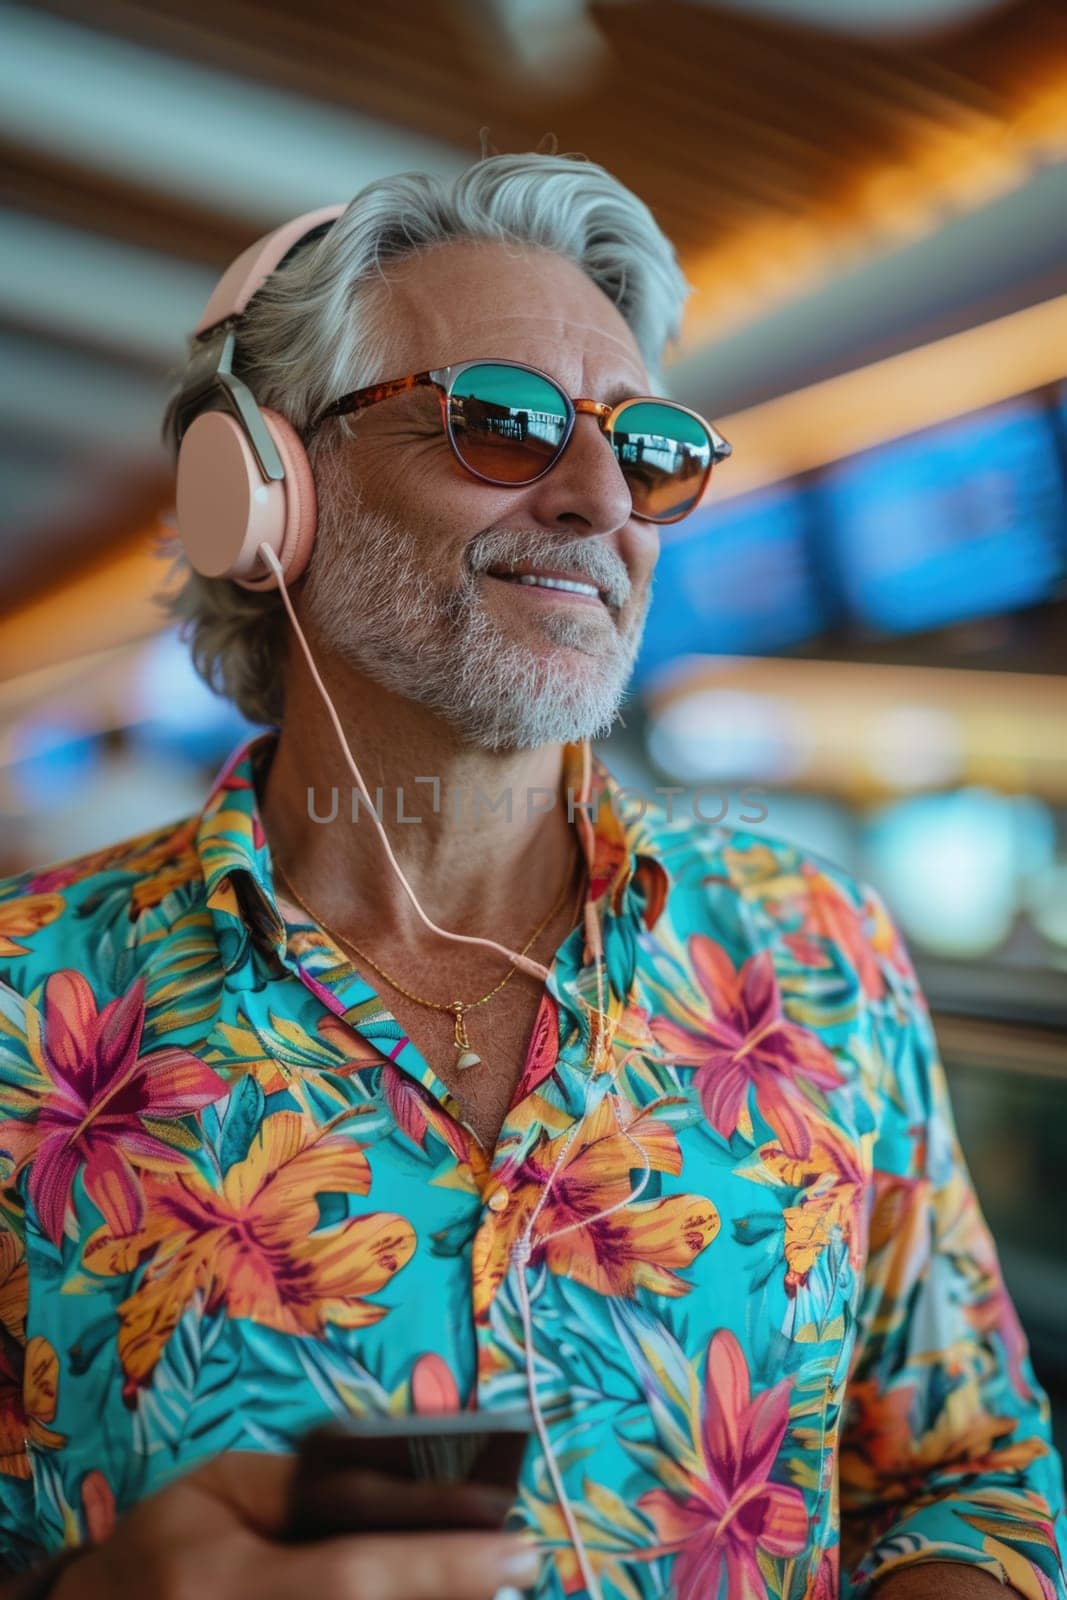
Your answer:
<point x="699" y="1190"/>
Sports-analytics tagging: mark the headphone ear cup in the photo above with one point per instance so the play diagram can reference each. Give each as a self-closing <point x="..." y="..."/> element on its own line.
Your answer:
<point x="301" y="507"/>
<point x="225" y="509"/>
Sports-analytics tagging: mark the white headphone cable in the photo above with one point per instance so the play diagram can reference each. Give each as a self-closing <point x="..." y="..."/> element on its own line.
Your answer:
<point x="527" y="964"/>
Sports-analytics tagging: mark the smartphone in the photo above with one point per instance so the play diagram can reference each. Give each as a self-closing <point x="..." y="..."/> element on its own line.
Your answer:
<point x="485" y="1447"/>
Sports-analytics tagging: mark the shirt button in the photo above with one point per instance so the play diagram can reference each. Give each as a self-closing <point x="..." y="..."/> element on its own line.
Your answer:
<point x="498" y="1200"/>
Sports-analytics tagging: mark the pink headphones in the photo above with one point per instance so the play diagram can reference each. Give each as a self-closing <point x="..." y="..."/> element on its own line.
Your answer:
<point x="243" y="474"/>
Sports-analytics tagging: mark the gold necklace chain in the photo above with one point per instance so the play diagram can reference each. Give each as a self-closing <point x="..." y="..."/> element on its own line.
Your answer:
<point x="458" y="1008"/>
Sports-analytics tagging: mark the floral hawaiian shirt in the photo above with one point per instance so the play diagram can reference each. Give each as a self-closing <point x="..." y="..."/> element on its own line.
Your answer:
<point x="235" y="1200"/>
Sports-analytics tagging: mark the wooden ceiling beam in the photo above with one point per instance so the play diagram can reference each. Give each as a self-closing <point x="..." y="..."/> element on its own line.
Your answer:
<point x="115" y="352"/>
<point x="779" y="121"/>
<point x="83" y="197"/>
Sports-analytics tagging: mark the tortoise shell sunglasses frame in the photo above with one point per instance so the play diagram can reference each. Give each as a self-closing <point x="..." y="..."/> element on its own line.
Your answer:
<point x="443" y="378"/>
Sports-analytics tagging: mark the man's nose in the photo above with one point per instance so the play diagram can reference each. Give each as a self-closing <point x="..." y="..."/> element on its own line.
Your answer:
<point x="586" y="484"/>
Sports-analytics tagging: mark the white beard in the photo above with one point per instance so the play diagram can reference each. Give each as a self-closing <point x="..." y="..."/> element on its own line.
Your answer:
<point x="372" y="601"/>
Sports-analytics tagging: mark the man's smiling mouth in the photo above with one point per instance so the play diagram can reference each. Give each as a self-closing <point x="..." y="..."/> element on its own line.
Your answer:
<point x="527" y="576"/>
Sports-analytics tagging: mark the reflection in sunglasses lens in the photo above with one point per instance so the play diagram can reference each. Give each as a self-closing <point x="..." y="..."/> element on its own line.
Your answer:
<point x="664" y="454"/>
<point x="509" y="425"/>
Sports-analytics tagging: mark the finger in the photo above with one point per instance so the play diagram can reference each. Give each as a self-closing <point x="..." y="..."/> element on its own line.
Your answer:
<point x="415" y="1566"/>
<point x="255" y="1485"/>
<point x="338" y="1501"/>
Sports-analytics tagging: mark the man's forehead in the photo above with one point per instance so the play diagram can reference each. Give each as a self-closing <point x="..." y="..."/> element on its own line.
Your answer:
<point x="558" y="321"/>
<point x="537" y="337"/>
<point x="472" y="298"/>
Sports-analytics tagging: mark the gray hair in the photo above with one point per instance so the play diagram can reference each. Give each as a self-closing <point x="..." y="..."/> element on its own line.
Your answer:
<point x="309" y="334"/>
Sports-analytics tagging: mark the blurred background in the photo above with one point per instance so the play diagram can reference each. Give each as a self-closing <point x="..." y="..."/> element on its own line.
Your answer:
<point x="866" y="626"/>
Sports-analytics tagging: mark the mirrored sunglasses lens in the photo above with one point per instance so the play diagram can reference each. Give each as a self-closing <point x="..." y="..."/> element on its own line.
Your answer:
<point x="506" y="424"/>
<point x="664" y="454"/>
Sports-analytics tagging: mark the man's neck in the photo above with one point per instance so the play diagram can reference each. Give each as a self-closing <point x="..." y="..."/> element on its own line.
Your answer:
<point x="475" y="868"/>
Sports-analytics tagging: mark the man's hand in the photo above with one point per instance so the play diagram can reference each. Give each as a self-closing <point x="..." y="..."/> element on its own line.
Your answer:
<point x="217" y="1535"/>
<point x="942" y="1580"/>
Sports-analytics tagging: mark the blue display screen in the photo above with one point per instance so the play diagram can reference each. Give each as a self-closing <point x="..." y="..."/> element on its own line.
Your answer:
<point x="734" y="579"/>
<point x="963" y="520"/>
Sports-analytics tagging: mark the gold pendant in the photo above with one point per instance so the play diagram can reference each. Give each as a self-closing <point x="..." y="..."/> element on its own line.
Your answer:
<point x="467" y="1057"/>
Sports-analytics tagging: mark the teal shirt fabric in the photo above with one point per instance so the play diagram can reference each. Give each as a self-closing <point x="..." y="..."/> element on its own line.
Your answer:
<point x="236" y="1201"/>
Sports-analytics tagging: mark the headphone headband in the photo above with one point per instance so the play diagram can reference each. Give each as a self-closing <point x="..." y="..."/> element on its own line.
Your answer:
<point x="254" y="266"/>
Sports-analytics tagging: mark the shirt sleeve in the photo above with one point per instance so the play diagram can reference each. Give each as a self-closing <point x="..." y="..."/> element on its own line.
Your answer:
<point x="946" y="1447"/>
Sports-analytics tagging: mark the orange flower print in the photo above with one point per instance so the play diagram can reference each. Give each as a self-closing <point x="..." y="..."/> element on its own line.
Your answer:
<point x="99" y="1105"/>
<point x="22" y="918"/>
<point x="889" y="1459"/>
<point x="833" y="1181"/>
<point x="642" y="1245"/>
<point x="255" y="1249"/>
<point x="14" y="1284"/>
<point x="864" y="934"/>
<point x="29" y="1386"/>
<point x="156" y="861"/>
<point x="742" y="1040"/>
<point x="830" y="921"/>
<point x="650" y="878"/>
<point x="610" y="853"/>
<point x="732" y="1511"/>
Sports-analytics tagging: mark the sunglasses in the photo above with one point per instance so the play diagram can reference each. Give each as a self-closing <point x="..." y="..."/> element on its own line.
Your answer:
<point x="509" y="424"/>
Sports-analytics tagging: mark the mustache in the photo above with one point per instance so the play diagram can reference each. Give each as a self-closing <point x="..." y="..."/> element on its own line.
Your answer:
<point x="585" y="558"/>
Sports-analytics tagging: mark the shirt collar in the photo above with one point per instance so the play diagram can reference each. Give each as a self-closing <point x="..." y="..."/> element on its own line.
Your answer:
<point x="626" y="872"/>
<point x="238" y="881"/>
